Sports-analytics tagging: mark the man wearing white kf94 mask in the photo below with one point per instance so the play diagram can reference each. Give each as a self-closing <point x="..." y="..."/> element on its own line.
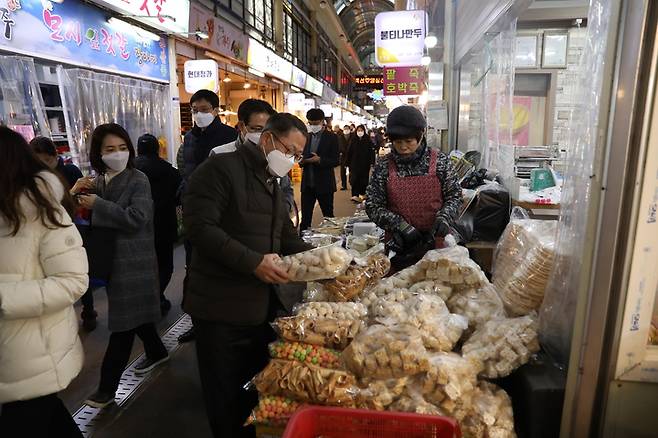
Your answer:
<point x="238" y="224"/>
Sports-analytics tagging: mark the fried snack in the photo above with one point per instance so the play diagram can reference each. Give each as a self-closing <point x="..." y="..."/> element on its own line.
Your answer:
<point x="432" y="287"/>
<point x="449" y="384"/>
<point x="317" y="264"/>
<point x="273" y="411"/>
<point x="439" y="328"/>
<point x="491" y="414"/>
<point x="349" y="285"/>
<point x="308" y="383"/>
<point x="305" y="353"/>
<point x="416" y="405"/>
<point x="379" y="394"/>
<point x="524" y="259"/>
<point x="322" y="310"/>
<point x="382" y="352"/>
<point x="502" y="345"/>
<point x="452" y="266"/>
<point x="327" y="332"/>
<point x="478" y="305"/>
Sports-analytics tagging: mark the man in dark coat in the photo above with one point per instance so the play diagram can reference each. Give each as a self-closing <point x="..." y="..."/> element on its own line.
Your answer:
<point x="320" y="159"/>
<point x="344" y="137"/>
<point x="237" y="221"/>
<point x="164" y="180"/>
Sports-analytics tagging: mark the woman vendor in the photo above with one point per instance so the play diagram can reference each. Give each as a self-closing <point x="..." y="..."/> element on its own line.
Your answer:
<point x="413" y="192"/>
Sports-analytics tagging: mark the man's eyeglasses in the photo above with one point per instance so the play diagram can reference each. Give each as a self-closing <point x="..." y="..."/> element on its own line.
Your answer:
<point x="290" y="151"/>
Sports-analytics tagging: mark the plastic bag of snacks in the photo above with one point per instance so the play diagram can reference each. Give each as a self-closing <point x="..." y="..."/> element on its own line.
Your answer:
<point x="382" y="352"/>
<point x="413" y="401"/>
<point x="502" y="345"/>
<point x="452" y="266"/>
<point x="316" y="292"/>
<point x="478" y="305"/>
<point x="327" y="332"/>
<point x="308" y="383"/>
<point x="331" y="310"/>
<point x="349" y="285"/>
<point x="305" y="353"/>
<point x="317" y="264"/>
<point x="432" y="287"/>
<point x="273" y="410"/>
<point x="491" y="414"/>
<point x="449" y="384"/>
<point x="379" y="394"/>
<point x="525" y="256"/>
<point x="318" y="239"/>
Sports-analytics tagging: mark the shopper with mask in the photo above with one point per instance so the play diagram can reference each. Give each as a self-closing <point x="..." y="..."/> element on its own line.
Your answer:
<point x="122" y="202"/>
<point x="320" y="159"/>
<point x="344" y="136"/>
<point x="238" y="225"/>
<point x="360" y="159"/>
<point x="413" y="193"/>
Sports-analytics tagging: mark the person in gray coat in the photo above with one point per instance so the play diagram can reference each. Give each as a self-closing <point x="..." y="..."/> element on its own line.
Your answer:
<point x="121" y="200"/>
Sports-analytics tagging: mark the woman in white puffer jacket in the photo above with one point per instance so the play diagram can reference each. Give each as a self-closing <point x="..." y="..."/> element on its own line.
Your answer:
<point x="43" y="271"/>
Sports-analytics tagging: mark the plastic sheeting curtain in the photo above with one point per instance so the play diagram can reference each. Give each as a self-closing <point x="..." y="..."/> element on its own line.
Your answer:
<point x="557" y="312"/>
<point x="21" y="103"/>
<point x="95" y="98"/>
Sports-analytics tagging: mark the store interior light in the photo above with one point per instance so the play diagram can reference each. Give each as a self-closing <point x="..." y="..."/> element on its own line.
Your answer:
<point x="227" y="78"/>
<point x="201" y="34"/>
<point x="255" y="72"/>
<point x="323" y="4"/>
<point x="129" y="28"/>
<point x="246" y="85"/>
<point x="425" y="60"/>
<point x="431" y="40"/>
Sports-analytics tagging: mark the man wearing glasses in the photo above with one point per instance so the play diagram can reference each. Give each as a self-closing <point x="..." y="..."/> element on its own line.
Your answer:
<point x="238" y="224"/>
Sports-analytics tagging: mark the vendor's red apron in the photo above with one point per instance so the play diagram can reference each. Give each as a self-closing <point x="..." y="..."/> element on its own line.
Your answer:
<point x="416" y="198"/>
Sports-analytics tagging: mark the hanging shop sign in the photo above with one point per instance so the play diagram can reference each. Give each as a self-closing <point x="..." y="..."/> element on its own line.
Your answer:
<point x="296" y="101"/>
<point x="73" y="33"/>
<point x="223" y="38"/>
<point x="298" y="77"/>
<point x="368" y="82"/>
<point x="201" y="74"/>
<point x="263" y="59"/>
<point x="169" y="16"/>
<point x="313" y="85"/>
<point x="309" y="104"/>
<point x="404" y="81"/>
<point x="400" y="37"/>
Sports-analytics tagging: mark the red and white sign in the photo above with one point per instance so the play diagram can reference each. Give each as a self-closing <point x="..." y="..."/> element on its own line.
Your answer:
<point x="169" y="16"/>
<point x="404" y="81"/>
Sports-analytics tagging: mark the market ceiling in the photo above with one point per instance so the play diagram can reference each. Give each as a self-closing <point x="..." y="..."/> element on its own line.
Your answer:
<point x="358" y="18"/>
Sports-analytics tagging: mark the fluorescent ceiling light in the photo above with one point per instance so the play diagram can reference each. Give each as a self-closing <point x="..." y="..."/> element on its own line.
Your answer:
<point x="258" y="73"/>
<point x="202" y="35"/>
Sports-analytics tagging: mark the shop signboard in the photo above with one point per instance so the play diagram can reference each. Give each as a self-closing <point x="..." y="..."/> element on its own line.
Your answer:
<point x="400" y="37"/>
<point x="404" y="81"/>
<point x="313" y="85"/>
<point x="223" y="38"/>
<point x="368" y="82"/>
<point x="74" y="33"/>
<point x="169" y="16"/>
<point x="201" y="74"/>
<point x="263" y="59"/>
<point x="296" y="101"/>
<point x="298" y="78"/>
<point x="309" y="104"/>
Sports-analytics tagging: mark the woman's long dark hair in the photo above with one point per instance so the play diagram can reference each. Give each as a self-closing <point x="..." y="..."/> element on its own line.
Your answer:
<point x="19" y="170"/>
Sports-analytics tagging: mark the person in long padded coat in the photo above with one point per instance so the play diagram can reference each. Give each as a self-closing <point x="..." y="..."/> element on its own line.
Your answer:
<point x="122" y="201"/>
<point x="43" y="271"/>
<point x="360" y="158"/>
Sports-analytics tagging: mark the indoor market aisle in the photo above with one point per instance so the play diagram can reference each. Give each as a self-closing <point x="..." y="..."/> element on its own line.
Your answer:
<point x="168" y="401"/>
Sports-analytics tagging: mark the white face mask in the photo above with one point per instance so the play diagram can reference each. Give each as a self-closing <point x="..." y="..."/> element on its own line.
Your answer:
<point x="278" y="164"/>
<point x="253" y="137"/>
<point x="117" y="161"/>
<point x="359" y="134"/>
<point x="314" y="129"/>
<point x="346" y="132"/>
<point x="203" y="120"/>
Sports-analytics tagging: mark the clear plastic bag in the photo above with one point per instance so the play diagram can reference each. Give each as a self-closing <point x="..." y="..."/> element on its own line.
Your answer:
<point x="382" y="352"/>
<point x="306" y="353"/>
<point x="491" y="415"/>
<point x="307" y="383"/>
<point x="322" y="310"/>
<point x="379" y="394"/>
<point x="452" y="266"/>
<point x="349" y="285"/>
<point x="319" y="239"/>
<point x="502" y="345"/>
<point x="317" y="264"/>
<point x="327" y="332"/>
<point x="315" y="292"/>
<point x="273" y="410"/>
<point x="524" y="258"/>
<point x="412" y="400"/>
<point x="478" y="305"/>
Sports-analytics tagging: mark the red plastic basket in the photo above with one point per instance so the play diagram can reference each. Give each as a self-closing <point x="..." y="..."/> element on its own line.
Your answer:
<point x="322" y="422"/>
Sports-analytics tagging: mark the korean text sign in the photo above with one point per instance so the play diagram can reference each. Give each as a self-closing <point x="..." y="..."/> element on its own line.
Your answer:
<point x="404" y="81"/>
<point x="168" y="15"/>
<point x="368" y="82"/>
<point x="263" y="59"/>
<point x="400" y="37"/>
<point x="72" y="32"/>
<point x="222" y="36"/>
<point x="201" y="74"/>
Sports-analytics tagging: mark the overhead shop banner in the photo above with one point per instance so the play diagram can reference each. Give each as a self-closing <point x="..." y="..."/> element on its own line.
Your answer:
<point x="74" y="33"/>
<point x="298" y="78"/>
<point x="404" y="81"/>
<point x="313" y="86"/>
<point x="368" y="82"/>
<point x="223" y="38"/>
<point x="263" y="59"/>
<point x="169" y="16"/>
<point x="400" y="37"/>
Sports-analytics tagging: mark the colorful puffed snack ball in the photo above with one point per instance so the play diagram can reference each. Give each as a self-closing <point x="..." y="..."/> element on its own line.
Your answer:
<point x="273" y="410"/>
<point x="306" y="353"/>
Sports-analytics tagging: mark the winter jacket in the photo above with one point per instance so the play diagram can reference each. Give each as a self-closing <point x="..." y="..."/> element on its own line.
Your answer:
<point x="198" y="143"/>
<point x="70" y="172"/>
<point x="343" y="147"/>
<point x="320" y="176"/>
<point x="43" y="271"/>
<point x="361" y="155"/>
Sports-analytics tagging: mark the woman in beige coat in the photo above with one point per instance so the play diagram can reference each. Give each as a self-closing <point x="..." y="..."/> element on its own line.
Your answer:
<point x="43" y="271"/>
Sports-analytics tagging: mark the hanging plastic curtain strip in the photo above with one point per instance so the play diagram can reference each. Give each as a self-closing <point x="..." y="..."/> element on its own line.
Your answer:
<point x="556" y="317"/>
